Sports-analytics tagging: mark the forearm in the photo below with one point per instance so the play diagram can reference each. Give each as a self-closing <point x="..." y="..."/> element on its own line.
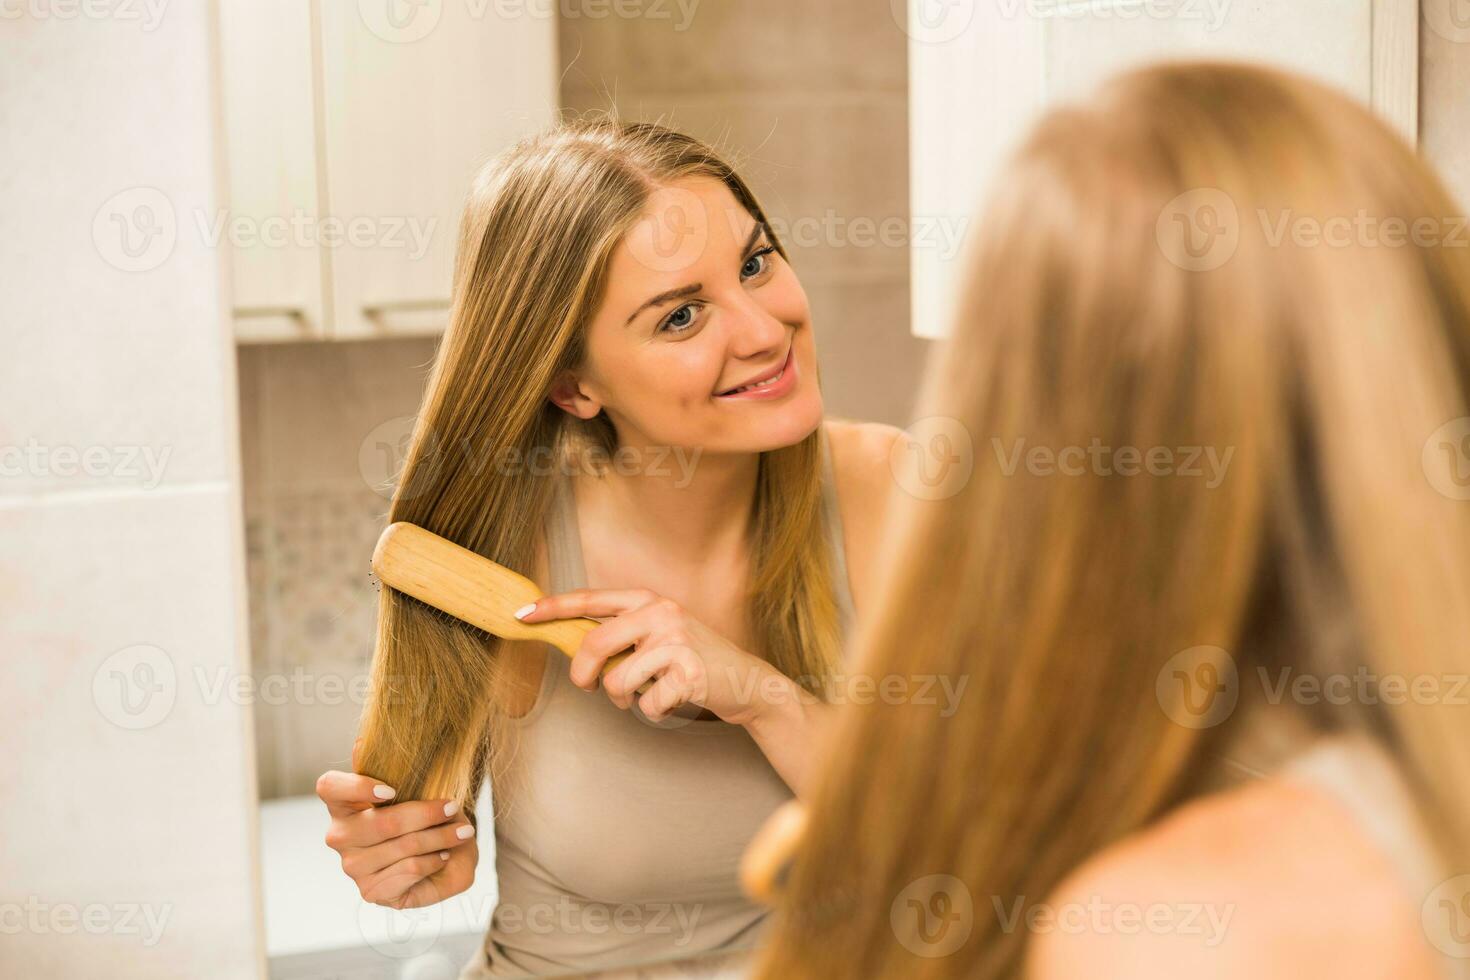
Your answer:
<point x="787" y="724"/>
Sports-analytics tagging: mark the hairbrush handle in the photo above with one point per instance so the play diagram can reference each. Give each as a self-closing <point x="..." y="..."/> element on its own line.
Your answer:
<point x="472" y="588"/>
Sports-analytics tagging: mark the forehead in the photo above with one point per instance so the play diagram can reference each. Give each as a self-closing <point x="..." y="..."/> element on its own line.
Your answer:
<point x="687" y="232"/>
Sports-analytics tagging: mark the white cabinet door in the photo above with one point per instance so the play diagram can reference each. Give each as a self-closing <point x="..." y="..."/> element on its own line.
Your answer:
<point x="416" y="95"/>
<point x="980" y="73"/>
<point x="266" y="75"/>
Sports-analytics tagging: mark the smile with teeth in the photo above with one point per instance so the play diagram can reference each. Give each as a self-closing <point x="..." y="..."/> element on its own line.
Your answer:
<point x="768" y="382"/>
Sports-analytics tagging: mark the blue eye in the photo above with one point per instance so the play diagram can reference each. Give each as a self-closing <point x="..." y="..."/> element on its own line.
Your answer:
<point x="759" y="261"/>
<point x="679" y="320"/>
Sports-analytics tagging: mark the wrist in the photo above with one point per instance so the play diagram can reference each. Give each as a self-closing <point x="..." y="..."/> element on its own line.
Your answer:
<point x="776" y="702"/>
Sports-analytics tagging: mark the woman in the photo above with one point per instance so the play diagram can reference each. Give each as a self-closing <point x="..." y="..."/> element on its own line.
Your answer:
<point x="626" y="408"/>
<point x="1215" y="723"/>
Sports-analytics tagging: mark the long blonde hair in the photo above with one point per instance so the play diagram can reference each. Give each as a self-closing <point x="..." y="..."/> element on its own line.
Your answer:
<point x="535" y="242"/>
<point x="1063" y="595"/>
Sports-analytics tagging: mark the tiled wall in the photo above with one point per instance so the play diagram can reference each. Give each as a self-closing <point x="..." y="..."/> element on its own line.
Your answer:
<point x="127" y="838"/>
<point x="812" y="108"/>
<point x="324" y="430"/>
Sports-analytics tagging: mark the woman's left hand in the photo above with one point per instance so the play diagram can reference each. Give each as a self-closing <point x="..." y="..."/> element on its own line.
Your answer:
<point x="688" y="662"/>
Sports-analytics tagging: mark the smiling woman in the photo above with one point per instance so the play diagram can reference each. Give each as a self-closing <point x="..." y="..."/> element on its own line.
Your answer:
<point x="619" y="294"/>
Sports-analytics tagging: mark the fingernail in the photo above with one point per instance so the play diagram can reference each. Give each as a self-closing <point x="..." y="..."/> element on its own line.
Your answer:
<point x="384" y="792"/>
<point x="465" y="832"/>
<point x="525" y="610"/>
<point x="451" y="808"/>
<point x="444" y="855"/>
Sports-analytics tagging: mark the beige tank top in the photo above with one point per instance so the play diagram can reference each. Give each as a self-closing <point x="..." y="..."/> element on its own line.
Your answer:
<point x="622" y="843"/>
<point x="1354" y="770"/>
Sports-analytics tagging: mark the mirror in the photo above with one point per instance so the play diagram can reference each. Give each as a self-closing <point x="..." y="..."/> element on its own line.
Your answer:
<point x="367" y="123"/>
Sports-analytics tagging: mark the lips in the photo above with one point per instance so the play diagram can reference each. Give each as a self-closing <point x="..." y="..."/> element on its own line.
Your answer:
<point x="760" y="381"/>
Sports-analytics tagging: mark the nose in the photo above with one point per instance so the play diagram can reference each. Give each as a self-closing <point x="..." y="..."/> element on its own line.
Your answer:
<point x="754" y="333"/>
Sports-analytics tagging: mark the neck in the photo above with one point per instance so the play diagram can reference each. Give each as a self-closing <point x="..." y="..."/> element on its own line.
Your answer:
<point x="685" y="503"/>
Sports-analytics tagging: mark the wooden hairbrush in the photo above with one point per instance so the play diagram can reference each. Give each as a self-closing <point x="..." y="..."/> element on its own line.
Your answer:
<point x="471" y="587"/>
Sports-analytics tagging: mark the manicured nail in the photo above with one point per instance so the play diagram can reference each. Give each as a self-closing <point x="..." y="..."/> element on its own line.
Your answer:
<point x="465" y="832"/>
<point x="384" y="792"/>
<point x="525" y="610"/>
<point x="444" y="855"/>
<point x="451" y="808"/>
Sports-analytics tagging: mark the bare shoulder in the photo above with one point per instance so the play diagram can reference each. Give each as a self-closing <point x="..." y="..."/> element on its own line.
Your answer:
<point x="1273" y="880"/>
<point x="864" y="483"/>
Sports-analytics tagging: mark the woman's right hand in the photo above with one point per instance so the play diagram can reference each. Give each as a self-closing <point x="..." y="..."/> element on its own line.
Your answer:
<point x="404" y="855"/>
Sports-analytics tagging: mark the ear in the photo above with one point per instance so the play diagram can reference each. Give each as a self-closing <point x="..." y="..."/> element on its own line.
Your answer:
<point x="569" y="394"/>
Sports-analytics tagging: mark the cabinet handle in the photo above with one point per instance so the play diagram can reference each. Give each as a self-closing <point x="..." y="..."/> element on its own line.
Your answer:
<point x="404" y="306"/>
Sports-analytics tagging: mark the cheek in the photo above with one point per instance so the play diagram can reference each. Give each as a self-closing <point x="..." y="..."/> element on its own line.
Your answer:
<point x="784" y="298"/>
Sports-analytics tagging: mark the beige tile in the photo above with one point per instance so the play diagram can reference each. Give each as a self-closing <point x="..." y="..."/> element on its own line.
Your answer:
<point x="832" y="172"/>
<point x="748" y="49"/>
<point x="123" y="740"/>
<point x="871" y="365"/>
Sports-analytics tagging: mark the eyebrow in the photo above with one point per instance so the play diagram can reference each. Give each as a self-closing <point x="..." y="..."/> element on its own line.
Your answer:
<point x="692" y="288"/>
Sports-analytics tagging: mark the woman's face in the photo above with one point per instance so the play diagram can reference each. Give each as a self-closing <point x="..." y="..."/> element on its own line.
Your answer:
<point x="699" y="304"/>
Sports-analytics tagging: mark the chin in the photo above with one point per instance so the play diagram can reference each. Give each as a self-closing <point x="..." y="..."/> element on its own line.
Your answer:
<point x="776" y="426"/>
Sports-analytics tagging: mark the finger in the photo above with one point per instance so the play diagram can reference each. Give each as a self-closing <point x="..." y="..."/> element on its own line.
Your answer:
<point x="350" y="792"/>
<point x="361" y="862"/>
<point x="640" y="669"/>
<point x="391" y="885"/>
<point x="595" y="603"/>
<point x="666" y="694"/>
<point x="457" y="874"/>
<point x="638" y="626"/>
<point x="379" y="824"/>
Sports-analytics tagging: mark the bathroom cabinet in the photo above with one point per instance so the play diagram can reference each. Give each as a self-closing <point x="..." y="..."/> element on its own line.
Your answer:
<point x="352" y="131"/>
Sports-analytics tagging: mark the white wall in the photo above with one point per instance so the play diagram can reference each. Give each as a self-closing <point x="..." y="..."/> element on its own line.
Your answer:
<point x="128" y="826"/>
